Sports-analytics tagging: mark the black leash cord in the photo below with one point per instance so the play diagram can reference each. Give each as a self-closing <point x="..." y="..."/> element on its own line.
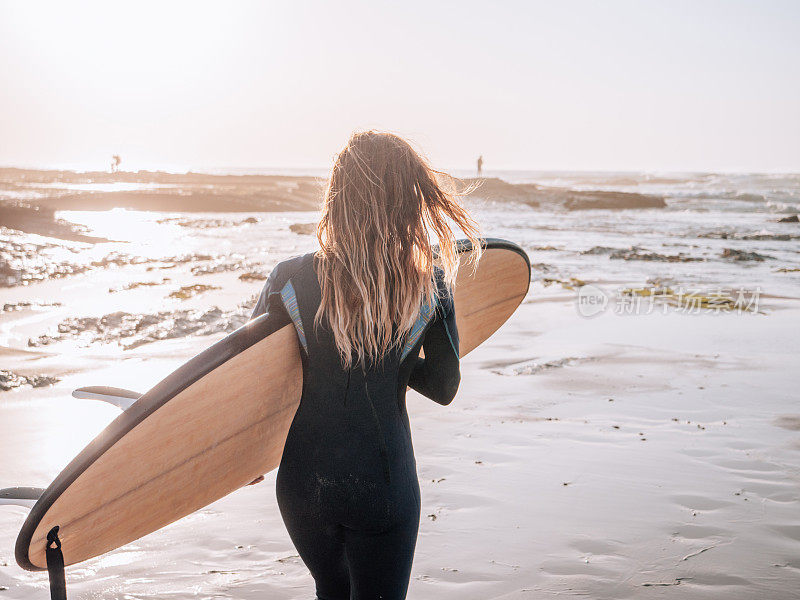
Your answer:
<point x="55" y="566"/>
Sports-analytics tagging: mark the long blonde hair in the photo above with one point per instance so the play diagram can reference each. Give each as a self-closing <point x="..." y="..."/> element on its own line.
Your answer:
<point x="375" y="263"/>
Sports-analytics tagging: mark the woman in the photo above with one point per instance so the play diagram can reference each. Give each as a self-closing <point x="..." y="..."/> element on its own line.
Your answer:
<point x="363" y="306"/>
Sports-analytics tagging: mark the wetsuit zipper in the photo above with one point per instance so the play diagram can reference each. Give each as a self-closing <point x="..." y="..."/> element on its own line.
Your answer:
<point x="381" y="438"/>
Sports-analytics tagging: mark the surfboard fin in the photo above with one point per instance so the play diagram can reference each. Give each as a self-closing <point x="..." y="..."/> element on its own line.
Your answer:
<point x="117" y="396"/>
<point x="20" y="496"/>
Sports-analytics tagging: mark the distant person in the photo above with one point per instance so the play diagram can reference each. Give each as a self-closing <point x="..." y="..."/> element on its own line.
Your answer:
<point x="115" y="162"/>
<point x="347" y="484"/>
<point x="480" y="166"/>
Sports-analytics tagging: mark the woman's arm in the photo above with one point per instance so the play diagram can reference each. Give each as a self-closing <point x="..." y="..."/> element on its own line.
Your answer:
<point x="438" y="375"/>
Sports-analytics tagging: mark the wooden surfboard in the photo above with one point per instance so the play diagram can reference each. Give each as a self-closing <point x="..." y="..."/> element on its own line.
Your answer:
<point x="217" y="423"/>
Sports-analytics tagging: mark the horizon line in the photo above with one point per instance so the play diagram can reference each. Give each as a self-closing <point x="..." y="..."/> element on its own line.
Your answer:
<point x="285" y="170"/>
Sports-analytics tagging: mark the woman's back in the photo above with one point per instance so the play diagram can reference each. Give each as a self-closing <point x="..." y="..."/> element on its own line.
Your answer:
<point x="363" y="305"/>
<point x="351" y="434"/>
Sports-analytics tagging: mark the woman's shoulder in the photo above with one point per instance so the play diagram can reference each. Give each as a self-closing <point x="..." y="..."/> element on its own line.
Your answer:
<point x="286" y="269"/>
<point x="442" y="286"/>
<point x="444" y="293"/>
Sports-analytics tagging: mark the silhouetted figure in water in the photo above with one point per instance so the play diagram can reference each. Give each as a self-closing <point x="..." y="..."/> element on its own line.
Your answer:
<point x="116" y="160"/>
<point x="480" y="166"/>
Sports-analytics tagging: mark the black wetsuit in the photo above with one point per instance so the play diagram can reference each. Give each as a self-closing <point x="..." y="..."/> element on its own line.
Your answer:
<point x="347" y="484"/>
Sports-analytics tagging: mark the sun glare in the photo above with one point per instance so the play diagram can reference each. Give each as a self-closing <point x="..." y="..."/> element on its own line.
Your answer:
<point x="119" y="44"/>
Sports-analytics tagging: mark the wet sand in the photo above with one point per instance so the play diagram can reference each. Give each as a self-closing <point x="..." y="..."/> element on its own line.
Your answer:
<point x="654" y="452"/>
<point x="41" y="220"/>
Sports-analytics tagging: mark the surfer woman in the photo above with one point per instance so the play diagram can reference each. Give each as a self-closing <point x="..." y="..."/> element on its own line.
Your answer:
<point x="363" y="306"/>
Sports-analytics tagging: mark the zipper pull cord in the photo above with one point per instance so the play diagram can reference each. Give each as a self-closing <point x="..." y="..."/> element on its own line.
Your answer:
<point x="347" y="387"/>
<point x="381" y="438"/>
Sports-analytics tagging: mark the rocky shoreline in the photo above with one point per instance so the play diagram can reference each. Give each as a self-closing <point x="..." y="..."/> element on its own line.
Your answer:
<point x="45" y="192"/>
<point x="561" y="198"/>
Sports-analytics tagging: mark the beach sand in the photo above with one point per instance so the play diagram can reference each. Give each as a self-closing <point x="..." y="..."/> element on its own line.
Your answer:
<point x="664" y="454"/>
<point x="620" y="456"/>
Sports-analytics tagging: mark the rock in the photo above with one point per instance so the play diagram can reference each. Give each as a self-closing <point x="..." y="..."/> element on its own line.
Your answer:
<point x="770" y="237"/>
<point x="733" y="254"/>
<point x="789" y="219"/>
<point x="303" y="228"/>
<point x="209" y="223"/>
<point x="497" y="190"/>
<point x="10" y="380"/>
<point x="132" y="330"/>
<point x="755" y="236"/>
<point x="189" y="291"/>
<point x="600" y="250"/>
<point x="590" y="200"/>
<point x="252" y="276"/>
<point x="221" y="267"/>
<point x="636" y="253"/>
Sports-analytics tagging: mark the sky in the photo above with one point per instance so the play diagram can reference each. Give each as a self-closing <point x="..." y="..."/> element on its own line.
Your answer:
<point x="640" y="85"/>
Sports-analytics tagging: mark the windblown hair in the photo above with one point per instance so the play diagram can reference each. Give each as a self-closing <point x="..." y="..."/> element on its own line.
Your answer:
<point x="376" y="259"/>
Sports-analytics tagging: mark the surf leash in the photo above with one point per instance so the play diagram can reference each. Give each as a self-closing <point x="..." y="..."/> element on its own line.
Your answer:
<point x="55" y="566"/>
